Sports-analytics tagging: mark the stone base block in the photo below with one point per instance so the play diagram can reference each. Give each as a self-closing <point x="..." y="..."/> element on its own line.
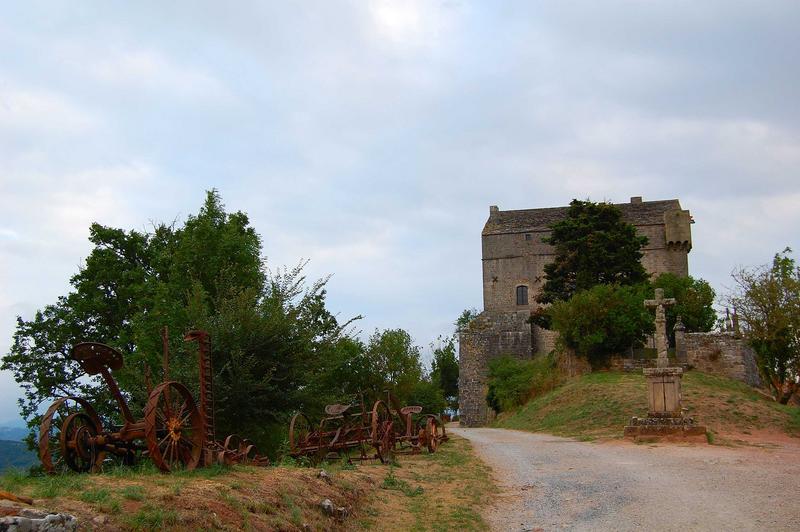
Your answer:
<point x="665" y="429"/>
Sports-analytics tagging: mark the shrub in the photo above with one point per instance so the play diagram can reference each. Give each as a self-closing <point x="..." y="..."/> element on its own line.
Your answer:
<point x="512" y="381"/>
<point x="602" y="320"/>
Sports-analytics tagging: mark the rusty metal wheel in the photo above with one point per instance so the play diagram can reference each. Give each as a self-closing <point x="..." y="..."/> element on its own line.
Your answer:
<point x="173" y="428"/>
<point x="382" y="431"/>
<point x="433" y="428"/>
<point x="77" y="440"/>
<point x="51" y="433"/>
<point x="300" y="430"/>
<point x="232" y="443"/>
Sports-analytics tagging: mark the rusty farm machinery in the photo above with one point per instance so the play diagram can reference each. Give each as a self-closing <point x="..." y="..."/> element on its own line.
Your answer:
<point x="174" y="432"/>
<point x="353" y="432"/>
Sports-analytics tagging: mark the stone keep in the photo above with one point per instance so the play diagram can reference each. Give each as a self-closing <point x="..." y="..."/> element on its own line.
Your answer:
<point x="514" y="257"/>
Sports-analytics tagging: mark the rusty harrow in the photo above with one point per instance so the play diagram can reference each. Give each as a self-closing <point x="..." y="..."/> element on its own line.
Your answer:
<point x="417" y="430"/>
<point x="343" y="429"/>
<point x="376" y="434"/>
<point x="174" y="432"/>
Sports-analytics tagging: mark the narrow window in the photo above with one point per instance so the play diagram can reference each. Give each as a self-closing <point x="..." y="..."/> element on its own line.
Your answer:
<point x="522" y="295"/>
<point x="527" y="236"/>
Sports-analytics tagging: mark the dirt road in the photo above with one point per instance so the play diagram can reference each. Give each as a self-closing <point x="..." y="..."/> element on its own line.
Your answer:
<point x="554" y="483"/>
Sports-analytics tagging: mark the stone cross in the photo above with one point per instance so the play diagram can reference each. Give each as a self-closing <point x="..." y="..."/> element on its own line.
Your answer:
<point x="661" y="325"/>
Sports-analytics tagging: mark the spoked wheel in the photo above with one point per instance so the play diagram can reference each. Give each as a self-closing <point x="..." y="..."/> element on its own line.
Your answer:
<point x="65" y="436"/>
<point x="173" y="428"/>
<point x="77" y="438"/>
<point x="434" y="433"/>
<point x="382" y="433"/>
<point x="300" y="430"/>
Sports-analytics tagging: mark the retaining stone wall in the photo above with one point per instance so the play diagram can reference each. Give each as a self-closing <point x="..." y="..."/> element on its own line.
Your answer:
<point x="725" y="354"/>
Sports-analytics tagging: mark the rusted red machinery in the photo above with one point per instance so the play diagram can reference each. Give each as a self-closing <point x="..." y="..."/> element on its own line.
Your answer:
<point x="345" y="428"/>
<point x="388" y="428"/>
<point x="174" y="432"/>
<point x="415" y="430"/>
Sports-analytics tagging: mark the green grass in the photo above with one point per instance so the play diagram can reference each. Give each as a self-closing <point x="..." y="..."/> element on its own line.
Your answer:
<point x="153" y="518"/>
<point x="95" y="495"/>
<point x="598" y="405"/>
<point x="391" y="482"/>
<point x="133" y="493"/>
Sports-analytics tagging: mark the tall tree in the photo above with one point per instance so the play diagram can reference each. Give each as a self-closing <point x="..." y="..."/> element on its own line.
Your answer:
<point x="767" y="300"/>
<point x="593" y="245"/>
<point x="444" y="369"/>
<point x="396" y="361"/>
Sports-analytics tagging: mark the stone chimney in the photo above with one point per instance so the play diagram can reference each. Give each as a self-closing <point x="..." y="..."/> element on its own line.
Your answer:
<point x="636" y="199"/>
<point x="493" y="210"/>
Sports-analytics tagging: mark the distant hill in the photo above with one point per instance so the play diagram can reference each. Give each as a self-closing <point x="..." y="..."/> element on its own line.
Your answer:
<point x="13" y="433"/>
<point x="16" y="454"/>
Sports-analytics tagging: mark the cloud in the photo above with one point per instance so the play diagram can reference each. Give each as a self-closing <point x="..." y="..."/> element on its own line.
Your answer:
<point x="371" y="137"/>
<point x="24" y="110"/>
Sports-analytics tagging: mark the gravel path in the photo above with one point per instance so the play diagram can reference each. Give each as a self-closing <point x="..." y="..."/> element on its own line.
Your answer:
<point x="555" y="483"/>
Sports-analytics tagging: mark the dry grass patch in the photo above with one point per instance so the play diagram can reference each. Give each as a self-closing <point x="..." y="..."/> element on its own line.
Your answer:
<point x="438" y="492"/>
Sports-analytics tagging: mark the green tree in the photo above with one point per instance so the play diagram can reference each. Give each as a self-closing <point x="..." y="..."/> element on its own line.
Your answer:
<point x="694" y="303"/>
<point x="593" y="245"/>
<point x="394" y="361"/>
<point x="602" y="320"/>
<point x="767" y="300"/>
<point x="444" y="369"/>
<point x="428" y="395"/>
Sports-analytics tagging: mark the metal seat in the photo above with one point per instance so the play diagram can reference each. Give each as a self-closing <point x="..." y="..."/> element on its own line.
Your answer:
<point x="406" y="410"/>
<point x="336" y="410"/>
<point x="94" y="357"/>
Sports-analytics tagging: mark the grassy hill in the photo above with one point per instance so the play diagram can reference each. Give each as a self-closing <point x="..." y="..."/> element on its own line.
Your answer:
<point x="598" y="405"/>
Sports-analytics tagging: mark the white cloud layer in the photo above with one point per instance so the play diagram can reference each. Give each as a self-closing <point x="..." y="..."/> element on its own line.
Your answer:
<point x="371" y="137"/>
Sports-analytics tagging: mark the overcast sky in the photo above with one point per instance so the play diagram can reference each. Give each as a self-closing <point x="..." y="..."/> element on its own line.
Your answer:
<point x="371" y="137"/>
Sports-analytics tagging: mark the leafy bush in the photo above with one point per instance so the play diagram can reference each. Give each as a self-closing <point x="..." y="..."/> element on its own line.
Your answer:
<point x="602" y="320"/>
<point x="512" y="381"/>
<point x="429" y="396"/>
<point x="694" y="300"/>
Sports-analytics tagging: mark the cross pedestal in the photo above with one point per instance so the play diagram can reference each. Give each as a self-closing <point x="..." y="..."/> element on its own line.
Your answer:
<point x="665" y="419"/>
<point x="664" y="391"/>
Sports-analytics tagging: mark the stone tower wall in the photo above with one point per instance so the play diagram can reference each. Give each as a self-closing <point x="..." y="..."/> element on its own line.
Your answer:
<point x="489" y="335"/>
<point x="512" y="259"/>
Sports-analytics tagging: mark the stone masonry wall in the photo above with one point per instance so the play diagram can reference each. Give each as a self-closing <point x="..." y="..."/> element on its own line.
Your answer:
<point x="490" y="335"/>
<point x="724" y="354"/>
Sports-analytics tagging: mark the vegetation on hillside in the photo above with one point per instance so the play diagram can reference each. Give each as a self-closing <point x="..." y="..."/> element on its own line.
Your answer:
<point x="767" y="301"/>
<point x="599" y="405"/>
<point x="512" y="382"/>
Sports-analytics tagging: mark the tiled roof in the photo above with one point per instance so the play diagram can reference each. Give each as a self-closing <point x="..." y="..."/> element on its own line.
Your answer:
<point x="643" y="213"/>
